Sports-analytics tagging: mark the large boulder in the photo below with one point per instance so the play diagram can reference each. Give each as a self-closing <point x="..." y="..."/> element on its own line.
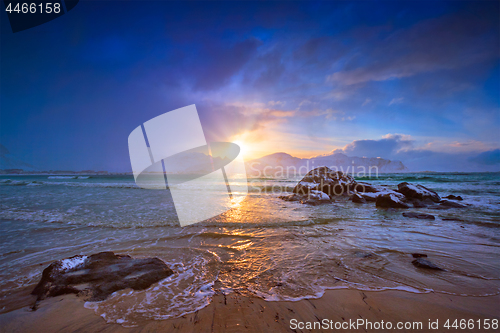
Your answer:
<point x="99" y="275"/>
<point x="373" y="196"/>
<point x="390" y="200"/>
<point x="420" y="192"/>
<point x="314" y="198"/>
<point x="325" y="180"/>
<point x="369" y="196"/>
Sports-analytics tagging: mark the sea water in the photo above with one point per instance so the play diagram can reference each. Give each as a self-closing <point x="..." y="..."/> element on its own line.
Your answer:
<point x="263" y="247"/>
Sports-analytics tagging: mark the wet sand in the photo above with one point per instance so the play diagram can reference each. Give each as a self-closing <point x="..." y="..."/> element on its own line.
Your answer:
<point x="236" y="313"/>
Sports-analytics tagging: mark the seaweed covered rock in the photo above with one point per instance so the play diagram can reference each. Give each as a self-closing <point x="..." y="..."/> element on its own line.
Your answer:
<point x="99" y="275"/>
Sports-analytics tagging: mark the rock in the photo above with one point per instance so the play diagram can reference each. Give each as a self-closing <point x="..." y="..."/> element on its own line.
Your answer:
<point x="420" y="192"/>
<point x="318" y="195"/>
<point x="357" y="198"/>
<point x="419" y="215"/>
<point x="369" y="196"/>
<point x="315" y="198"/>
<point x="325" y="180"/>
<point x="291" y="197"/>
<point x="418" y="203"/>
<point x="419" y="255"/>
<point x="390" y="200"/>
<point x="454" y="197"/>
<point x="368" y="188"/>
<point x="422" y="203"/>
<point x="424" y="263"/>
<point x="360" y="254"/>
<point x="99" y="275"/>
<point x="451" y="204"/>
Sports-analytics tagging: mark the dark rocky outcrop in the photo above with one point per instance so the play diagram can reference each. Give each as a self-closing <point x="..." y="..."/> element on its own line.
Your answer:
<point x="451" y="204"/>
<point x="292" y="197"/>
<point x="372" y="197"/>
<point x="325" y="180"/>
<point x="424" y="263"/>
<point x="314" y="198"/>
<point x="419" y="215"/>
<point x="418" y="203"/>
<point x="357" y="198"/>
<point x="374" y="192"/>
<point x="422" y="203"/>
<point x="368" y="188"/>
<point x="390" y="200"/>
<point x="420" y="192"/>
<point x="454" y="197"/>
<point x="322" y="184"/>
<point x="419" y="255"/>
<point x="99" y="275"/>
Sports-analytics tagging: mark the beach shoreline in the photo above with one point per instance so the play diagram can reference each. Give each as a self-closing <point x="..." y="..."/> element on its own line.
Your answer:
<point x="273" y="258"/>
<point x="237" y="313"/>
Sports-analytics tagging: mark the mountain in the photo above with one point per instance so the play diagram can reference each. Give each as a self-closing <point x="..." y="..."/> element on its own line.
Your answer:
<point x="282" y="164"/>
<point x="9" y="161"/>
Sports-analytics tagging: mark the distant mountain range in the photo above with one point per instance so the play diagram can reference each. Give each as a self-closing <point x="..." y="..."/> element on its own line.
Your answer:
<point x="282" y="164"/>
<point x="274" y="165"/>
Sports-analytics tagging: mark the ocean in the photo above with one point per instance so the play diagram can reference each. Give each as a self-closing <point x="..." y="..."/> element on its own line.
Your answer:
<point x="265" y="247"/>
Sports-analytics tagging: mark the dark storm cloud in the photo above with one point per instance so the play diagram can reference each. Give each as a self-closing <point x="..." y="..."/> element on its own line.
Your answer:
<point x="445" y="43"/>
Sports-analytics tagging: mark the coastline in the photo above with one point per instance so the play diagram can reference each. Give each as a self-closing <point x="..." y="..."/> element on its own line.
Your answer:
<point x="236" y="313"/>
<point x="302" y="250"/>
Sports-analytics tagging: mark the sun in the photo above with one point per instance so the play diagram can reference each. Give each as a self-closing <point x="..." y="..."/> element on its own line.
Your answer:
<point x="243" y="147"/>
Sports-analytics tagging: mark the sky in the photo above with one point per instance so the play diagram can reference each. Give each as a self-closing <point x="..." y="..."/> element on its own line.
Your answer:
<point x="415" y="81"/>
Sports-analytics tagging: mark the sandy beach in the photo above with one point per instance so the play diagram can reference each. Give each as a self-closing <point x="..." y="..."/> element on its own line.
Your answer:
<point x="235" y="313"/>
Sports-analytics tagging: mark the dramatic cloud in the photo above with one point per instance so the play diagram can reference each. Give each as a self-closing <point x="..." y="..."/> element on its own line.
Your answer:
<point x="300" y="76"/>
<point x="224" y="121"/>
<point x="386" y="147"/>
<point x="443" y="43"/>
<point x="421" y="158"/>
